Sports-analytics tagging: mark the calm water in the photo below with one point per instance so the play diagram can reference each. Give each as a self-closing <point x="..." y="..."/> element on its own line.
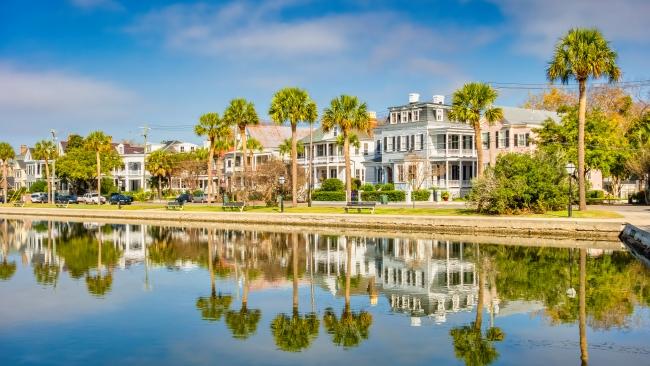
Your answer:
<point x="74" y="293"/>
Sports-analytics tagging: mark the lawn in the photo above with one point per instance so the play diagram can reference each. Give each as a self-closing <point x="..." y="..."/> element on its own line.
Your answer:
<point x="420" y="211"/>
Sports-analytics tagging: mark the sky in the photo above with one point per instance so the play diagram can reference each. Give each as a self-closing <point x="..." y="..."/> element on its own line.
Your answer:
<point x="115" y="65"/>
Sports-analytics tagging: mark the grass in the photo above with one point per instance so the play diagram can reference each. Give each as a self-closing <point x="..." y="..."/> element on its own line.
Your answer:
<point x="420" y="211"/>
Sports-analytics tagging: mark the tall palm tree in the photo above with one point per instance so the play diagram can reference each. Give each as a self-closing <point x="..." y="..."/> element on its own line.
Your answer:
<point x="241" y="113"/>
<point x="243" y="323"/>
<point x="584" y="353"/>
<point x="159" y="164"/>
<point x="471" y="104"/>
<point x="352" y="327"/>
<point x="285" y="148"/>
<point x="349" y="115"/>
<point x="100" y="143"/>
<point x="252" y="145"/>
<point x="296" y="332"/>
<point x="293" y="105"/>
<point x="582" y="54"/>
<point x="215" y="130"/>
<point x="46" y="150"/>
<point x="7" y="153"/>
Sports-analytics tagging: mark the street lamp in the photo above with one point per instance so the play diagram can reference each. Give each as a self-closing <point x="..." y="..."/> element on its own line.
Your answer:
<point x="281" y="181"/>
<point x="570" y="168"/>
<point x="53" y="178"/>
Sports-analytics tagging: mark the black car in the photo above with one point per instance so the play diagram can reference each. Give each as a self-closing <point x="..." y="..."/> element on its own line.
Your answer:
<point x="120" y="199"/>
<point x="184" y="198"/>
<point x="69" y="198"/>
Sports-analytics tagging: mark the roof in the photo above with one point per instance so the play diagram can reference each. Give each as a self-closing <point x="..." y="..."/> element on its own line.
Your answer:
<point x="271" y="135"/>
<point x="319" y="135"/>
<point x="129" y="149"/>
<point x="524" y="116"/>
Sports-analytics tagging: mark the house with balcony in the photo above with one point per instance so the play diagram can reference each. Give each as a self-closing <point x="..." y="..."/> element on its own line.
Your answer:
<point x="420" y="147"/>
<point x="328" y="158"/>
<point x="129" y="176"/>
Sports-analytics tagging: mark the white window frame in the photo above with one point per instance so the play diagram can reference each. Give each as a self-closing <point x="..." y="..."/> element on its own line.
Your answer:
<point x="389" y="144"/>
<point x="416" y="115"/>
<point x="439" y="115"/>
<point x="404" y="116"/>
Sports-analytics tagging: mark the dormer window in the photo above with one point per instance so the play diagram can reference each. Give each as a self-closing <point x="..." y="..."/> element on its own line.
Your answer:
<point x="439" y="115"/>
<point x="120" y="149"/>
<point x="336" y="131"/>
<point x="404" y="116"/>
<point x="415" y="115"/>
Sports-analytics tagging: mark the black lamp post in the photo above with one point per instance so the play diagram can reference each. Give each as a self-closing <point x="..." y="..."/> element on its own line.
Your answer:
<point x="570" y="168"/>
<point x="281" y="181"/>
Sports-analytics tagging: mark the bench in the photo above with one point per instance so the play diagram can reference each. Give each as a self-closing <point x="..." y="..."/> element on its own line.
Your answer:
<point x="361" y="206"/>
<point x="62" y="204"/>
<point x="231" y="205"/>
<point x="174" y="205"/>
<point x="19" y="204"/>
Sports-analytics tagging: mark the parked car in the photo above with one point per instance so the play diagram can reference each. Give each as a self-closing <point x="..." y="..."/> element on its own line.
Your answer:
<point x="184" y="198"/>
<point x="200" y="198"/>
<point x="119" y="199"/>
<point x="70" y="199"/>
<point x="126" y="197"/>
<point x="38" y="197"/>
<point x="94" y="199"/>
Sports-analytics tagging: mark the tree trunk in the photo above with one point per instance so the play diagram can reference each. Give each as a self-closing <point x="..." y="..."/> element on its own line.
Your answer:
<point x="5" y="171"/>
<point x="311" y="160"/>
<point x="244" y="141"/>
<point x="294" y="165"/>
<point x="348" y="170"/>
<point x="481" y="289"/>
<point x="244" y="298"/>
<point x="48" y="184"/>
<point x="210" y="159"/>
<point x="348" y="271"/>
<point x="218" y="190"/>
<point x="584" y="353"/>
<point x="159" y="187"/>
<point x="294" y="245"/>
<point x="478" y="142"/>
<point x="582" y="109"/>
<point x="213" y="291"/>
<point x="99" y="177"/>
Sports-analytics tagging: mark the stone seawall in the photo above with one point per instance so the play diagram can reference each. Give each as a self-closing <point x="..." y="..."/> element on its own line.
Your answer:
<point x="592" y="229"/>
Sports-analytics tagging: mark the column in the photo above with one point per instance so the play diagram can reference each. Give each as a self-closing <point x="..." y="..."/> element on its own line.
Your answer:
<point x="446" y="173"/>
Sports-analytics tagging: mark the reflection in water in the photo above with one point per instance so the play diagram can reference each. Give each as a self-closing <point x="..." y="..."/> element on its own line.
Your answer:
<point x="427" y="281"/>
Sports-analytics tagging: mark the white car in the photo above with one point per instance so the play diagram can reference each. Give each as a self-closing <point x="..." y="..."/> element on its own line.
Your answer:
<point x="93" y="199"/>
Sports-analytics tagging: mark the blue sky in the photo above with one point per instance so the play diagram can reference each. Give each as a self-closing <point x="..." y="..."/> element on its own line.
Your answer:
<point x="83" y="65"/>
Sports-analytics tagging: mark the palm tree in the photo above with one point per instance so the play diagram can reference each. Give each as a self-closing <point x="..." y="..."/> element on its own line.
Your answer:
<point x="6" y="153"/>
<point x="293" y="105"/>
<point x="100" y="143"/>
<point x="352" y="327"/>
<point x="285" y="148"/>
<point x="243" y="323"/>
<point x="215" y="130"/>
<point x="471" y="104"/>
<point x="349" y="115"/>
<point x="159" y="164"/>
<point x="582" y="54"/>
<point x="213" y="307"/>
<point x="584" y="353"/>
<point x="45" y="150"/>
<point x="241" y="113"/>
<point x="294" y="333"/>
<point x="252" y="145"/>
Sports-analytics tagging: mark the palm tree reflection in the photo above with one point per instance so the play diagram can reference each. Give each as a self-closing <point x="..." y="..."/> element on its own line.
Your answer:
<point x="352" y="327"/>
<point x="213" y="307"/>
<point x="584" y="354"/>
<point x="296" y="332"/>
<point x="7" y="269"/>
<point x="47" y="272"/>
<point x="243" y="323"/>
<point x="100" y="282"/>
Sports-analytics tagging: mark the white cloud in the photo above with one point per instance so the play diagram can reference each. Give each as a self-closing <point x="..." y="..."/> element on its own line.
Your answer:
<point x="33" y="100"/>
<point x="539" y="24"/>
<point x="97" y="4"/>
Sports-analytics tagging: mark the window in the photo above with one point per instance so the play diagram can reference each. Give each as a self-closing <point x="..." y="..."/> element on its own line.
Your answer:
<point x="237" y="161"/>
<point x="503" y="139"/>
<point x="441" y="142"/>
<point x="455" y="142"/>
<point x="398" y="147"/>
<point x="182" y="149"/>
<point x="365" y="148"/>
<point x="412" y="172"/>
<point x="486" y="140"/>
<point x="333" y="173"/>
<point x="400" y="173"/>
<point x="419" y="142"/>
<point x="496" y="138"/>
<point x="404" y="116"/>
<point x="320" y="150"/>
<point x="356" y="151"/>
<point x="336" y="131"/>
<point x="394" y="116"/>
<point x="416" y="115"/>
<point x="521" y="139"/>
<point x="439" y="115"/>
<point x="455" y="172"/>
<point x="357" y="173"/>
<point x="331" y="150"/>
<point x="467" y="142"/>
<point x="389" y="143"/>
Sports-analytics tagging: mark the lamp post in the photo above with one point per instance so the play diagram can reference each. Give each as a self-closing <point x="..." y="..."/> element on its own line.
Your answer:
<point x="53" y="178"/>
<point x="570" y="168"/>
<point x="281" y="181"/>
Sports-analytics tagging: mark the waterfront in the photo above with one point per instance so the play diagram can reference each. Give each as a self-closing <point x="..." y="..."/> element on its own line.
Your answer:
<point x="78" y="293"/>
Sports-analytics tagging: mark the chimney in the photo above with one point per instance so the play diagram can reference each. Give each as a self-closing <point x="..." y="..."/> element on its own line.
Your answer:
<point x="23" y="149"/>
<point x="414" y="97"/>
<point x="372" y="114"/>
<point x="438" y="99"/>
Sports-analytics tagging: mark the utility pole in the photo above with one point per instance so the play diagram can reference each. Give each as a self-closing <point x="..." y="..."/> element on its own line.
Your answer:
<point x="145" y="132"/>
<point x="53" y="178"/>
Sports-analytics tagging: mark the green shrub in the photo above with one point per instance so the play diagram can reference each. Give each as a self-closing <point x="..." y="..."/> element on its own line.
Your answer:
<point x="445" y="195"/>
<point x="368" y="187"/>
<point x="197" y="192"/>
<point x="596" y="193"/>
<point x="521" y="183"/>
<point x="108" y="186"/>
<point x="332" y="185"/>
<point x="420" y="195"/>
<point x="385" y="187"/>
<point x="638" y="197"/>
<point x="141" y="195"/>
<point x="322" y="195"/>
<point x="393" y="196"/>
<point x="356" y="183"/>
<point x="38" y="186"/>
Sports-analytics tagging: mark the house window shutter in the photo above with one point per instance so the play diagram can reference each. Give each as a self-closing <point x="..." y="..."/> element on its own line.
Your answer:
<point x="515" y="140"/>
<point x="527" y="139"/>
<point x="385" y="144"/>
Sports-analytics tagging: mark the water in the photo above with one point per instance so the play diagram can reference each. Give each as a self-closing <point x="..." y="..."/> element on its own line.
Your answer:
<point x="147" y="297"/>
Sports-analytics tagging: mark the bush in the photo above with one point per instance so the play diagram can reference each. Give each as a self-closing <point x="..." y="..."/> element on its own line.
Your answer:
<point x="638" y="197"/>
<point x="393" y="196"/>
<point x="445" y="195"/>
<point x="38" y="186"/>
<point x="141" y="195"/>
<point x="108" y="186"/>
<point x="368" y="187"/>
<point x="332" y="185"/>
<point x="197" y="192"/>
<point x="521" y="183"/>
<point x="596" y="193"/>
<point x="356" y="183"/>
<point x="322" y="195"/>
<point x="385" y="187"/>
<point x="420" y="195"/>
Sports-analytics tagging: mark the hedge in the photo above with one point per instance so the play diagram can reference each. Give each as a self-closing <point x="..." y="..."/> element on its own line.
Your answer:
<point x="393" y="196"/>
<point x="385" y="187"/>
<point x="420" y="195"/>
<point x="320" y="195"/>
<point x="332" y="185"/>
